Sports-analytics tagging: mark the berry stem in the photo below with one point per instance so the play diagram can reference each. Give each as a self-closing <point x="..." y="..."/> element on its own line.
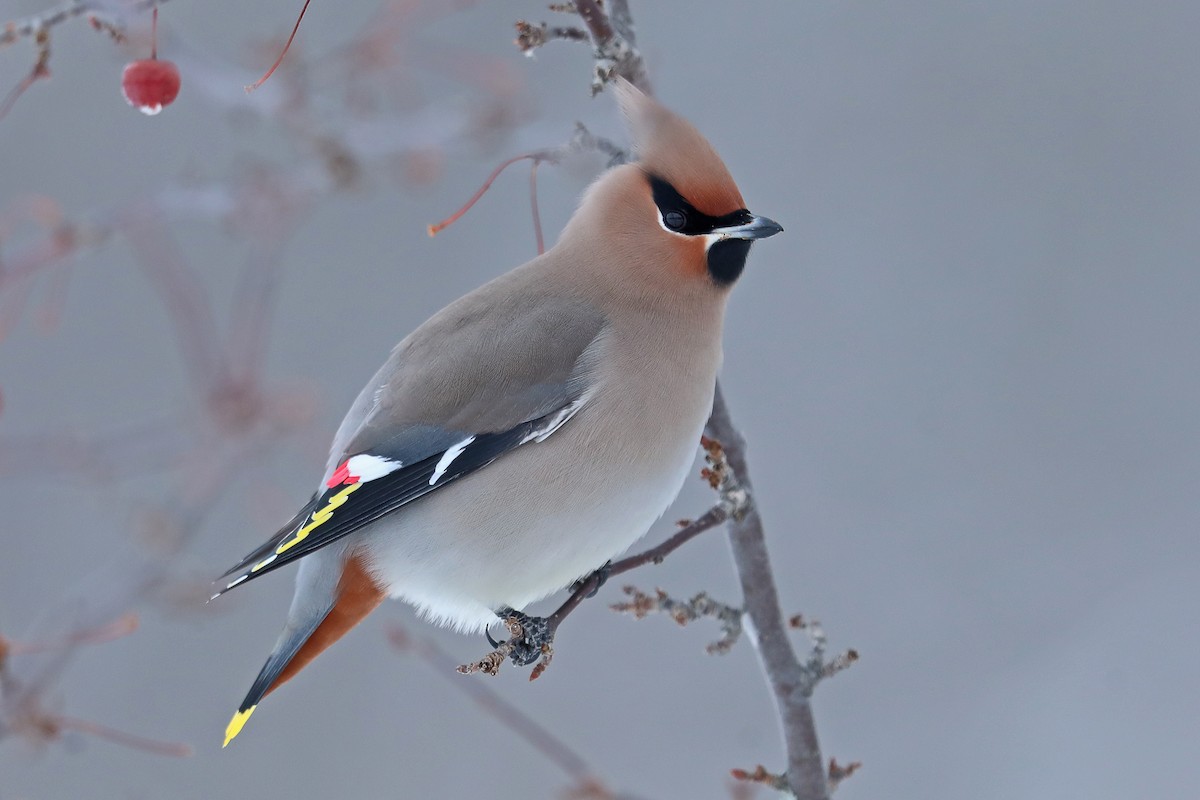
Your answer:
<point x="438" y="227"/>
<point x="282" y="53"/>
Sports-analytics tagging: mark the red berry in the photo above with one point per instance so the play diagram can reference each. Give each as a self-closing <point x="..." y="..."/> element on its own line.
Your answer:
<point x="150" y="84"/>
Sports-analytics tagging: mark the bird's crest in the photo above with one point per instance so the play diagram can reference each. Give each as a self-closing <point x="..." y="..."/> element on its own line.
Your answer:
<point x="669" y="147"/>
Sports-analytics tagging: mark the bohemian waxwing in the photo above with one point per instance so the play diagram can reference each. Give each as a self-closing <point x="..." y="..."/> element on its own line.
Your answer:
<point x="535" y="428"/>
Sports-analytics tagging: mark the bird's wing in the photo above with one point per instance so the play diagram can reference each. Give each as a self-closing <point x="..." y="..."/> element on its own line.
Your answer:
<point x="481" y="378"/>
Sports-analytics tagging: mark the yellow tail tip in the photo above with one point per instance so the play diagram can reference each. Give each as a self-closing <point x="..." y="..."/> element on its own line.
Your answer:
<point x="235" y="725"/>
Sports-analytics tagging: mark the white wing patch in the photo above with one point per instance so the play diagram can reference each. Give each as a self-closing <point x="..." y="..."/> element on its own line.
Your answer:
<point x="448" y="458"/>
<point x="362" y="468"/>
<point x="368" y="467"/>
<point x="554" y="423"/>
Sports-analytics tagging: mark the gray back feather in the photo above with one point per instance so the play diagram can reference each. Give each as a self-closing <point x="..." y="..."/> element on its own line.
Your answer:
<point x="504" y="354"/>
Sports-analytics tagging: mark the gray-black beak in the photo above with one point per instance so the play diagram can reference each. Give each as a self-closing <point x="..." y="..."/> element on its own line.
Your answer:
<point x="756" y="228"/>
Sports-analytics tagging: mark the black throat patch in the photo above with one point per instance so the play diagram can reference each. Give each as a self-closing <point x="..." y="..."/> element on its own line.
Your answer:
<point x="727" y="259"/>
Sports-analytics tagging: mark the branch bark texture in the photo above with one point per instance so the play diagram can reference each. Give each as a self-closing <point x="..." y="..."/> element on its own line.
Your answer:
<point x="789" y="681"/>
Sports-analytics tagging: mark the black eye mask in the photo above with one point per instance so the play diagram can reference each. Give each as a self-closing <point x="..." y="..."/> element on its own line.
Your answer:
<point x="727" y="257"/>
<point x="681" y="216"/>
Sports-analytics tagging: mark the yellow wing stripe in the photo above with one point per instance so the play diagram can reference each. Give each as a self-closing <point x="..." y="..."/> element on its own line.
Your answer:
<point x="319" y="518"/>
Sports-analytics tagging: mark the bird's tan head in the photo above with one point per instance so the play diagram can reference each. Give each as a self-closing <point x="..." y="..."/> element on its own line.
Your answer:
<point x="678" y="204"/>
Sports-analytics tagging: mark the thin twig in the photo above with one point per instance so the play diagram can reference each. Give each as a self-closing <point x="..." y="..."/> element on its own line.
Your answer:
<point x="533" y="208"/>
<point x="525" y="726"/>
<point x="39" y="71"/>
<point x="622" y="20"/>
<point x="761" y="775"/>
<point x="655" y="555"/>
<point x="581" y="140"/>
<point x="616" y="49"/>
<point x="287" y="46"/>
<point x="176" y="283"/>
<point x="123" y="626"/>
<point x="438" y="227"/>
<point x="29" y="26"/>
<point x="641" y="605"/>
<point x="123" y="738"/>
<point x="541" y="738"/>
<point x="531" y="37"/>
<point x="596" y="20"/>
<point x="839" y="773"/>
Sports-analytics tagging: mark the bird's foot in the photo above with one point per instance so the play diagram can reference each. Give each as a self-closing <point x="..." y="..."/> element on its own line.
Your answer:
<point x="601" y="575"/>
<point x="531" y="636"/>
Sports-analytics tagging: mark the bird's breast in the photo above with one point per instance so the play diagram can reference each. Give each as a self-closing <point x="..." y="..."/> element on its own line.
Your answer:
<point x="550" y="512"/>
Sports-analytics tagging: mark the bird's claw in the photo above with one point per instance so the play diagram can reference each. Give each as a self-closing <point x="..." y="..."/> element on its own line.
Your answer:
<point x="600" y="573"/>
<point x="487" y="632"/>
<point x="534" y="637"/>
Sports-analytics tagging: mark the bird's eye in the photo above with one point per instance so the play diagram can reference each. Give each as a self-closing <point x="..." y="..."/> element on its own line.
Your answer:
<point x="674" y="219"/>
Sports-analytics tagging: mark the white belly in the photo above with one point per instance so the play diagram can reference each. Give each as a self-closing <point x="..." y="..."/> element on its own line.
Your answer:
<point x="531" y="522"/>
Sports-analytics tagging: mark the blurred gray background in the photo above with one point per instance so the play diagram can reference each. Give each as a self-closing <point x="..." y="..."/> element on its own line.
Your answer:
<point x="968" y="375"/>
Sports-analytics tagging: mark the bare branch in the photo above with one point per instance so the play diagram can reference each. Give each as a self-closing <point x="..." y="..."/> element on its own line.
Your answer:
<point x="616" y="48"/>
<point x="816" y="668"/>
<point x="760" y="774"/>
<point x="615" y="51"/>
<point x="683" y="612"/>
<point x="122" y="626"/>
<point x="530" y="36"/>
<point x="21" y="710"/>
<point x="655" y="555"/>
<point x="181" y="293"/>
<point x="622" y="20"/>
<point x="553" y="748"/>
<point x="583" y="139"/>
<point x="596" y="20"/>
<point x="123" y="738"/>
<point x="586" y="785"/>
<point x="30" y="26"/>
<point x="838" y="773"/>
<point x="788" y="679"/>
<point x="40" y="70"/>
